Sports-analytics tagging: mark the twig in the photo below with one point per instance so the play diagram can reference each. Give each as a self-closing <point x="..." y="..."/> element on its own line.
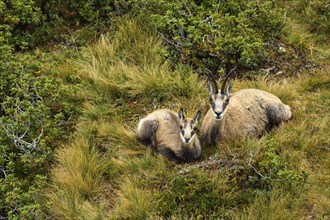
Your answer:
<point x="207" y="19"/>
<point x="250" y="165"/>
<point x="4" y="172"/>
<point x="168" y="41"/>
<point x="267" y="71"/>
<point x="19" y="143"/>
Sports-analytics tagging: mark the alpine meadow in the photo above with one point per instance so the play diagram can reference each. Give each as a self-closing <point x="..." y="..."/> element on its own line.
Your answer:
<point x="78" y="77"/>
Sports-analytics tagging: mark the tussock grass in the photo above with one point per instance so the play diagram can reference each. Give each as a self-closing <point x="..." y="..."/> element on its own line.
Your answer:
<point x="77" y="179"/>
<point x="121" y="64"/>
<point x="133" y="202"/>
<point x="271" y="205"/>
<point x="104" y="173"/>
<point x="86" y="160"/>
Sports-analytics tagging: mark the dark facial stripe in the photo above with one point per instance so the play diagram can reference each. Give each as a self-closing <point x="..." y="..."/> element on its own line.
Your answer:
<point x="224" y="99"/>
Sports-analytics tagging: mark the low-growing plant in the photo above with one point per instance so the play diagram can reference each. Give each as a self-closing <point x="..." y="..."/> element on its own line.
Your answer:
<point x="196" y="193"/>
<point x="271" y="170"/>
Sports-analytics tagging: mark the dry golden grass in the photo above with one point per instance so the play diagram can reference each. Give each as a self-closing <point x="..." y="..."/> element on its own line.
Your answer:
<point x="133" y="202"/>
<point x="121" y="64"/>
<point x="77" y="179"/>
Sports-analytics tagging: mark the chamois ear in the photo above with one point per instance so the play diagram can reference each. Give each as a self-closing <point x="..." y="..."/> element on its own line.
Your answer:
<point x="181" y="115"/>
<point x="209" y="86"/>
<point x="229" y="88"/>
<point x="197" y="117"/>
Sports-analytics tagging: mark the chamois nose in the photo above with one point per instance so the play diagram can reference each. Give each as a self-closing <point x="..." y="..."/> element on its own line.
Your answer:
<point x="218" y="114"/>
<point x="187" y="139"/>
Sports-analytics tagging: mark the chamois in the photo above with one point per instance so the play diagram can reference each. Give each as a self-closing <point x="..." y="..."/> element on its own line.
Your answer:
<point x="171" y="134"/>
<point x="243" y="114"/>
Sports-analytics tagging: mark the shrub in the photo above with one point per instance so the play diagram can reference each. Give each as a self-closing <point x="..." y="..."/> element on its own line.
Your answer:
<point x="34" y="117"/>
<point x="215" y="34"/>
<point x="18" y="22"/>
<point x="29" y="23"/>
<point x="271" y="170"/>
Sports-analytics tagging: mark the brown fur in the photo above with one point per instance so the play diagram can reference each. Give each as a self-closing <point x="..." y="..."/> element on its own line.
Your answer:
<point x="250" y="112"/>
<point x="160" y="130"/>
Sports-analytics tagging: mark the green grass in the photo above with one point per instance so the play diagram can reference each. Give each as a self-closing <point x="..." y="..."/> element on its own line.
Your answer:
<point x="308" y="27"/>
<point x="104" y="173"/>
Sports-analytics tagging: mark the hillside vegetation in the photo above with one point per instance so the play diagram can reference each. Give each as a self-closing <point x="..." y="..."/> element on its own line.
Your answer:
<point x="105" y="173"/>
<point x="71" y="101"/>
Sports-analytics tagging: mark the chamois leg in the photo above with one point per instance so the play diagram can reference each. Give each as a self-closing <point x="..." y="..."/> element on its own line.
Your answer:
<point x="190" y="154"/>
<point x="169" y="154"/>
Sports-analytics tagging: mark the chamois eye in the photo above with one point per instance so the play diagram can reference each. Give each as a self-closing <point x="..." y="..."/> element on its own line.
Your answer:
<point x="180" y="126"/>
<point x="210" y="99"/>
<point x="195" y="128"/>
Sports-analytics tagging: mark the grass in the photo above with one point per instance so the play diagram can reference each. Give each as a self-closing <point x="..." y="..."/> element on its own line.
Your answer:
<point x="104" y="173"/>
<point x="77" y="177"/>
<point x="122" y="66"/>
<point x="308" y="27"/>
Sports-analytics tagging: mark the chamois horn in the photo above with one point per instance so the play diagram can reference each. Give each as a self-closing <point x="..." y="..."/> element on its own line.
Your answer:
<point x="225" y="81"/>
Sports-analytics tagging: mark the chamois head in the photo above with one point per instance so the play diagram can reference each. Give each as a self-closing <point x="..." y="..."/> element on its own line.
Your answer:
<point x="219" y="99"/>
<point x="188" y="126"/>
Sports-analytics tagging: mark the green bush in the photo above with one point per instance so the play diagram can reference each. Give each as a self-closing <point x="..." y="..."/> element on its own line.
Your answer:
<point x="272" y="170"/>
<point x="18" y="22"/>
<point x="215" y="34"/>
<point x="35" y="116"/>
<point x="29" y="23"/>
<point x="197" y="193"/>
